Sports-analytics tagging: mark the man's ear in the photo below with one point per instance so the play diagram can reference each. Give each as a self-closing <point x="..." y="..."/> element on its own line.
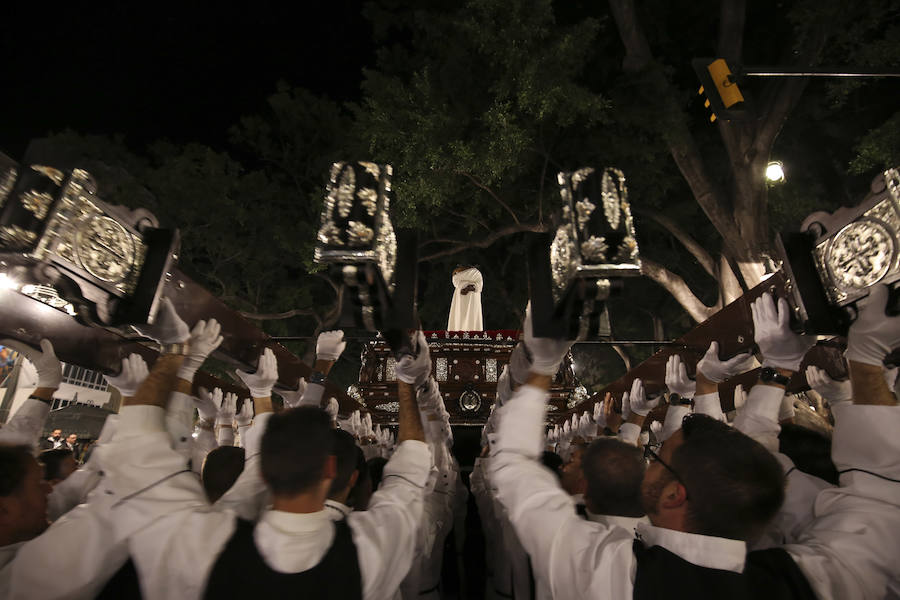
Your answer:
<point x="329" y="470"/>
<point x="674" y="495"/>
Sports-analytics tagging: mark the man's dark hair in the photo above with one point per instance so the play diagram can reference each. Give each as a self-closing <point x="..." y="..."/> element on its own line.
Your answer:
<point x="345" y="454"/>
<point x="809" y="450"/>
<point x="376" y="470"/>
<point x="52" y="461"/>
<point x="734" y="485"/>
<point x="295" y="448"/>
<point x="221" y="468"/>
<point x="14" y="462"/>
<point x="552" y="461"/>
<point x="613" y="471"/>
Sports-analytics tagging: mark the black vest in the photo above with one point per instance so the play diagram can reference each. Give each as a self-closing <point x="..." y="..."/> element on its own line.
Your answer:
<point x="768" y="575"/>
<point x="240" y="571"/>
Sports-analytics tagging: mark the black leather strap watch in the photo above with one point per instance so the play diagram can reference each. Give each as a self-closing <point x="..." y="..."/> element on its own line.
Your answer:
<point x="678" y="400"/>
<point x="770" y="375"/>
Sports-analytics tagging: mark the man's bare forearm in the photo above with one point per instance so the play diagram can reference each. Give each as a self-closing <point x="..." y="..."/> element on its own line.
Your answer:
<point x="161" y="381"/>
<point x="410" y="421"/>
<point x="869" y="386"/>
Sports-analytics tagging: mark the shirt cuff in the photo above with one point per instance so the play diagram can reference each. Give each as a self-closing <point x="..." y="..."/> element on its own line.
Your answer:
<point x="764" y="401"/>
<point x="522" y="422"/>
<point x="140" y="419"/>
<point x="630" y="433"/>
<point x="313" y="395"/>
<point x="709" y="404"/>
<point x="411" y="461"/>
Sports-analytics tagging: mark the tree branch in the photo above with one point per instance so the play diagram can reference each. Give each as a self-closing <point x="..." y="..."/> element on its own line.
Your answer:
<point x="699" y="252"/>
<point x="462" y="245"/>
<point x="676" y="286"/>
<point x="493" y="195"/>
<point x="729" y="286"/>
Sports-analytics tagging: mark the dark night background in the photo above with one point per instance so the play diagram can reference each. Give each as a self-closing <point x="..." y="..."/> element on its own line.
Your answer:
<point x="185" y="72"/>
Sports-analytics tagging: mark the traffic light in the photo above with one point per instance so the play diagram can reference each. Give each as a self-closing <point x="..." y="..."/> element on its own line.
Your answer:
<point x="718" y="84"/>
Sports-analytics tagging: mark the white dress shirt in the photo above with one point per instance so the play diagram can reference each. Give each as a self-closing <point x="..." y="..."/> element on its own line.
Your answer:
<point x="578" y="558"/>
<point x="175" y="537"/>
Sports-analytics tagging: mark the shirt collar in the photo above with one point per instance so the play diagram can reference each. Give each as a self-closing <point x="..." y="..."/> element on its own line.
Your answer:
<point x="629" y="523"/>
<point x="702" y="550"/>
<point x="335" y="507"/>
<point x="8" y="553"/>
<point x="289" y="522"/>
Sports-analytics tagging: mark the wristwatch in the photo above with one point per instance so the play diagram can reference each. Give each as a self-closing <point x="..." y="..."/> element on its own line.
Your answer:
<point x="770" y="375"/>
<point x="317" y="377"/>
<point x="180" y="349"/>
<point x="678" y="400"/>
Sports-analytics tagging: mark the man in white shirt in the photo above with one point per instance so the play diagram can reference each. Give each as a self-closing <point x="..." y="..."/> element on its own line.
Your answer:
<point x="582" y="560"/>
<point x="183" y="549"/>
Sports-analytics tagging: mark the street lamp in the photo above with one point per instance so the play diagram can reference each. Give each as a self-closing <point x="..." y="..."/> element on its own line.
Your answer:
<point x="775" y="172"/>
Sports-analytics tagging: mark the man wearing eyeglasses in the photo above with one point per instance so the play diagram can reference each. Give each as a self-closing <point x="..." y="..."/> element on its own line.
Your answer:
<point x="708" y="491"/>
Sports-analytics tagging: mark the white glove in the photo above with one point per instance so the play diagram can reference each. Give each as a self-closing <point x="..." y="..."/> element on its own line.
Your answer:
<point x="740" y="397"/>
<point x="245" y="416"/>
<point x="49" y="369"/>
<point x="260" y="382"/>
<point x="519" y="364"/>
<point x="415" y="370"/>
<point x="167" y="327"/>
<point x="873" y="335"/>
<point x="134" y="372"/>
<point x="204" y="339"/>
<point x="356" y="424"/>
<point x="656" y="428"/>
<point x="291" y="398"/>
<point x="830" y="389"/>
<point x="643" y="439"/>
<point x="640" y="404"/>
<point x="208" y="403"/>
<point x="330" y="345"/>
<point x="787" y="408"/>
<point x="332" y="408"/>
<point x="677" y="379"/>
<point x="626" y="407"/>
<point x="779" y="346"/>
<point x="600" y="416"/>
<point x="227" y="409"/>
<point x="567" y="430"/>
<point x="546" y="353"/>
<point x="717" y="370"/>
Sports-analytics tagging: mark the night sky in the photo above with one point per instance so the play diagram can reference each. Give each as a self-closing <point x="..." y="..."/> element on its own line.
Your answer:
<point x="185" y="73"/>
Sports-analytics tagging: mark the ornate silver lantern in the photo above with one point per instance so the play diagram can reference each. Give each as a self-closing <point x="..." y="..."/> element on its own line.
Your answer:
<point x="356" y="235"/>
<point x="593" y="249"/>
<point x="836" y="258"/>
<point x="103" y="263"/>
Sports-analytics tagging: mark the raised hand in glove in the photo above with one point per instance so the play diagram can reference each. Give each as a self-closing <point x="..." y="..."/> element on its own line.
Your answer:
<point x="291" y="398"/>
<point x="134" y="372"/>
<point x="332" y="408"/>
<point x="830" y="389"/>
<point x="225" y="416"/>
<point x="717" y="370"/>
<point x="244" y="417"/>
<point x="640" y="404"/>
<point x="208" y="403"/>
<point x="781" y="348"/>
<point x="873" y="335"/>
<point x="167" y="327"/>
<point x="546" y="353"/>
<point x="261" y="381"/>
<point x="677" y="379"/>
<point x="204" y="339"/>
<point x="330" y="345"/>
<point x="49" y="369"/>
<point x="415" y="370"/>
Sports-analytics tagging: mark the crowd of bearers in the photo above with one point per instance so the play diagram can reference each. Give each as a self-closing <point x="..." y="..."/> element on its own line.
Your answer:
<point x="216" y="496"/>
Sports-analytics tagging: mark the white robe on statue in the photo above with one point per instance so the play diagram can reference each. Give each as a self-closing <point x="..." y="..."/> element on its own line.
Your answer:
<point x="465" y="310"/>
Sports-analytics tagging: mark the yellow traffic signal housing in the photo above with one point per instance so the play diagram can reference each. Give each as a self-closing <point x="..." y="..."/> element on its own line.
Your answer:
<point x="723" y="96"/>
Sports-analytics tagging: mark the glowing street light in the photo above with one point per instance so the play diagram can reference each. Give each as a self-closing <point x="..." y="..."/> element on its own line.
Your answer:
<point x="775" y="172"/>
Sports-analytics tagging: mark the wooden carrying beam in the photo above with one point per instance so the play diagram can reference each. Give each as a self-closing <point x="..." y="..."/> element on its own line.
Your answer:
<point x="28" y="320"/>
<point x="732" y="327"/>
